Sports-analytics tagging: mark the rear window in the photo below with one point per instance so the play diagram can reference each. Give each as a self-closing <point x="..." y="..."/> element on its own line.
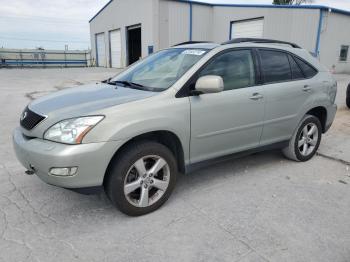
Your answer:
<point x="307" y="69"/>
<point x="275" y="66"/>
<point x="296" y="71"/>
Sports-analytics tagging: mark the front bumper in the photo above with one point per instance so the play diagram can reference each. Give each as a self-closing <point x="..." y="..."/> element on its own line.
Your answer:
<point x="41" y="155"/>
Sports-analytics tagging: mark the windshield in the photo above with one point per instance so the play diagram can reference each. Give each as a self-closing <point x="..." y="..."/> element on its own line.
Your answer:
<point x="160" y="70"/>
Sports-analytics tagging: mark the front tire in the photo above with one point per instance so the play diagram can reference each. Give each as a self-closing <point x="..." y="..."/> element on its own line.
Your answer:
<point x="305" y="140"/>
<point x="141" y="178"/>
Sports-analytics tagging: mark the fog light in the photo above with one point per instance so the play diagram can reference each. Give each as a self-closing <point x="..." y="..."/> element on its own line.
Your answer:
<point x="63" y="171"/>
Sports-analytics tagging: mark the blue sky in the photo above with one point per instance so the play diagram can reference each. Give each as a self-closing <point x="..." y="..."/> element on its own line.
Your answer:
<point x="53" y="23"/>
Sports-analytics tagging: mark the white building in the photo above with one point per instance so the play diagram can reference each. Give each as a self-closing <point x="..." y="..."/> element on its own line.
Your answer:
<point x="125" y="30"/>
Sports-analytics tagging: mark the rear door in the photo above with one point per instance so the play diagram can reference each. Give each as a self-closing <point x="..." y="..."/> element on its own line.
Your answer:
<point x="232" y="120"/>
<point x="287" y="88"/>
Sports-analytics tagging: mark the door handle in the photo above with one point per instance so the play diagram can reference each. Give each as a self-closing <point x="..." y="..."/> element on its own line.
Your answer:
<point x="306" y="88"/>
<point x="256" y="96"/>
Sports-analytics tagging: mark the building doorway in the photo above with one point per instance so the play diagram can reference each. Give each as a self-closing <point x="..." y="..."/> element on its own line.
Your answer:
<point x="133" y="43"/>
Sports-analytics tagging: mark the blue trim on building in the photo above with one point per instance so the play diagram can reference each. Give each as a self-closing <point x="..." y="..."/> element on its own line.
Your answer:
<point x="335" y="10"/>
<point x="230" y="32"/>
<point x="319" y="31"/>
<point x="274" y="6"/>
<point x="37" y="62"/>
<point x="47" y="52"/>
<point x="321" y="7"/>
<point x="191" y="21"/>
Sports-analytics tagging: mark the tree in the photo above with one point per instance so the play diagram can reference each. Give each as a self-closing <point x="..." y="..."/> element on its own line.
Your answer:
<point x="291" y="2"/>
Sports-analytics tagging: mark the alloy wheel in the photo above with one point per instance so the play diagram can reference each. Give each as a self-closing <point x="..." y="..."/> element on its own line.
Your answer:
<point x="146" y="181"/>
<point x="308" y="139"/>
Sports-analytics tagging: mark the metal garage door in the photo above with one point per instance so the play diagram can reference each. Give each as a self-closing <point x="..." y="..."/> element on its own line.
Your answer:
<point x="116" y="48"/>
<point x="248" y="28"/>
<point x="100" y="50"/>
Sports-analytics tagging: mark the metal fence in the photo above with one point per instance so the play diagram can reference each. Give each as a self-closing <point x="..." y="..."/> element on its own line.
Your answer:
<point x="44" y="58"/>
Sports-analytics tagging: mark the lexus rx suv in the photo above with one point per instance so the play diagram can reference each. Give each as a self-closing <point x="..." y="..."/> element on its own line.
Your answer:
<point x="173" y="112"/>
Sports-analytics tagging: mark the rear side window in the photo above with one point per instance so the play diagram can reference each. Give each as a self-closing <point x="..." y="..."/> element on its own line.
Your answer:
<point x="308" y="70"/>
<point x="275" y="66"/>
<point x="296" y="71"/>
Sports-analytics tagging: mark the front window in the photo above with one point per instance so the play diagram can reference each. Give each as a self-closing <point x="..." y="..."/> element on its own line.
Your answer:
<point x="235" y="67"/>
<point x="162" y="69"/>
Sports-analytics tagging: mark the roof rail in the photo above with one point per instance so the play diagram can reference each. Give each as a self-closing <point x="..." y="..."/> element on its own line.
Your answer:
<point x="259" y="40"/>
<point x="193" y="42"/>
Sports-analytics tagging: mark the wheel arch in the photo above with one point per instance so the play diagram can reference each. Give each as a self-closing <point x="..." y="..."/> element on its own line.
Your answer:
<point x="321" y="113"/>
<point x="164" y="137"/>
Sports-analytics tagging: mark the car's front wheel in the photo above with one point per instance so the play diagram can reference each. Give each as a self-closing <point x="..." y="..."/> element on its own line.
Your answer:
<point x="141" y="178"/>
<point x="305" y="140"/>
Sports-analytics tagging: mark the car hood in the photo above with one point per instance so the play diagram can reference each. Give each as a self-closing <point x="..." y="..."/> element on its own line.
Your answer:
<point x="86" y="99"/>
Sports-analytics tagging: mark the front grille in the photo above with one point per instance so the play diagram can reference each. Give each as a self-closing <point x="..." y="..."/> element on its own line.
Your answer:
<point x="30" y="119"/>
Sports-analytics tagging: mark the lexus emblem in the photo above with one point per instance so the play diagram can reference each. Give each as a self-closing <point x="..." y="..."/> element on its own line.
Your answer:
<point x="24" y="115"/>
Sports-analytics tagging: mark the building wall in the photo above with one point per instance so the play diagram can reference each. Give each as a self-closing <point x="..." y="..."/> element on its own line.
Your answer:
<point x="334" y="33"/>
<point x="121" y="14"/>
<point x="294" y="25"/>
<point x="174" y="23"/>
<point x="202" y="23"/>
<point x="167" y="22"/>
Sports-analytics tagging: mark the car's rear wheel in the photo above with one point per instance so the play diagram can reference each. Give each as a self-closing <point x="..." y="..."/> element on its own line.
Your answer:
<point x="141" y="178"/>
<point x="305" y="140"/>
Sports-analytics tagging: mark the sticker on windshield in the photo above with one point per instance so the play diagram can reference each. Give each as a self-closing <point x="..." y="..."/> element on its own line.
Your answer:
<point x="193" y="52"/>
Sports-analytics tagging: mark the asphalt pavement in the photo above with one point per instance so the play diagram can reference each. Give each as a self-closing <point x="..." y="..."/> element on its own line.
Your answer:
<point x="257" y="208"/>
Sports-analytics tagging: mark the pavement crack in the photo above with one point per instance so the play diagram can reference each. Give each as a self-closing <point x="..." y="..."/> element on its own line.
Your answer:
<point x="24" y="197"/>
<point x="71" y="246"/>
<point x="173" y="221"/>
<point x="31" y="95"/>
<point x="5" y="224"/>
<point x="244" y="255"/>
<point x="333" y="158"/>
<point x="216" y="223"/>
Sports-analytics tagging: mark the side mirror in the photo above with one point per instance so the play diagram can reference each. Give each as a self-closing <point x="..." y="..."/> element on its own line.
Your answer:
<point x="209" y="84"/>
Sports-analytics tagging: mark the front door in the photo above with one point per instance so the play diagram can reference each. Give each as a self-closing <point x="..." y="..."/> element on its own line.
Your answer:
<point x="230" y="121"/>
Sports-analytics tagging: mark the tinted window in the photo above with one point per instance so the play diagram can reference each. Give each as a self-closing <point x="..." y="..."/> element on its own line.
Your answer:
<point x="235" y="67"/>
<point x="275" y="66"/>
<point x="296" y="71"/>
<point x="308" y="70"/>
<point x="344" y="49"/>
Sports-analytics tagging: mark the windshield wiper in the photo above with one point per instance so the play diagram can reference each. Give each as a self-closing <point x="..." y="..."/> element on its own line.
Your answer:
<point x="108" y="81"/>
<point x="130" y="84"/>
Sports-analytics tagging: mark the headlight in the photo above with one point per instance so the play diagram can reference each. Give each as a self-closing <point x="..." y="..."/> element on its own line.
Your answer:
<point x="72" y="131"/>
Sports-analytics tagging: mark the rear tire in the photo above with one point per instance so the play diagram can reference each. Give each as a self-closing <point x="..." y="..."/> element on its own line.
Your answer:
<point x="141" y="178"/>
<point x="305" y="141"/>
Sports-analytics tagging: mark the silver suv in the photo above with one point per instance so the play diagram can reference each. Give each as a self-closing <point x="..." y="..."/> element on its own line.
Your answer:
<point x="174" y="111"/>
